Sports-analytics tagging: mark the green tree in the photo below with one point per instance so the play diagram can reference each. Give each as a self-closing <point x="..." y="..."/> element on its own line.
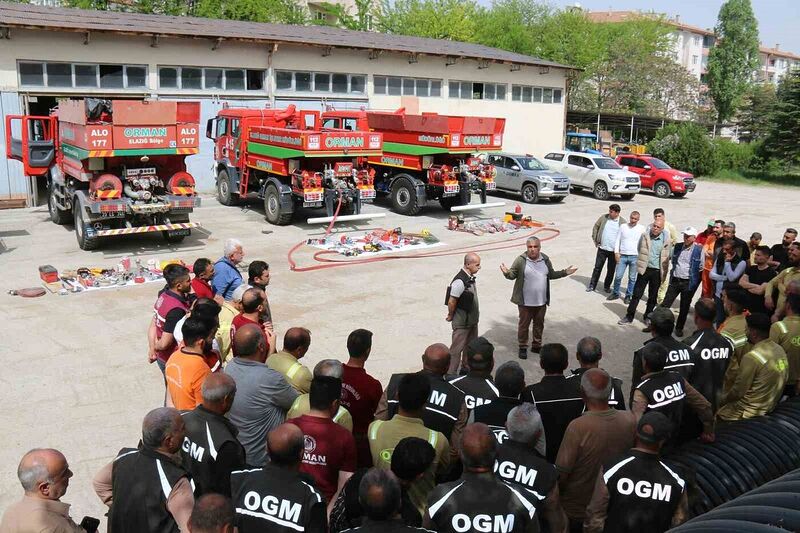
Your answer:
<point x="685" y="146"/>
<point x="756" y="108"/>
<point x="513" y="25"/>
<point x="364" y="19"/>
<point x="457" y="20"/>
<point x="278" y="11"/>
<point x="784" y="132"/>
<point x="734" y="57"/>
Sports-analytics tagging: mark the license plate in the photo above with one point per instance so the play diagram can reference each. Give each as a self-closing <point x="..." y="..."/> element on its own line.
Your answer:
<point x="690" y="186"/>
<point x="312" y="204"/>
<point x="451" y="189"/>
<point x="490" y="185"/>
<point x="179" y="232"/>
<point x="562" y="187"/>
<point x="139" y="171"/>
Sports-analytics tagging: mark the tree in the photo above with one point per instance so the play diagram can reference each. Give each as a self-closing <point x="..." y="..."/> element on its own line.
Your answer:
<point x="685" y="146"/>
<point x="734" y="57"/>
<point x="278" y="11"/>
<point x="752" y="118"/>
<point x="363" y="19"/>
<point x="784" y="131"/>
<point x="514" y="25"/>
<point x="457" y="20"/>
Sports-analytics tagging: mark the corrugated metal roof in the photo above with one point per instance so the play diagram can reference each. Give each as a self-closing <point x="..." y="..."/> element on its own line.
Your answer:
<point x="52" y="18"/>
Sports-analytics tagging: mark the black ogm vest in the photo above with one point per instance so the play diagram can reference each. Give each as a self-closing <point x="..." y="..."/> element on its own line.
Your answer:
<point x="206" y="433"/>
<point x="142" y="481"/>
<point x="643" y="493"/>
<point x="666" y="393"/>
<point x="520" y="465"/>
<point x="467" y="298"/>
<point x="442" y="409"/>
<point x="714" y="354"/>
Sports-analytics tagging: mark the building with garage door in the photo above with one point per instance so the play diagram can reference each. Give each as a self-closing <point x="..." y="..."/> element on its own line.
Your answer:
<point x="49" y="53"/>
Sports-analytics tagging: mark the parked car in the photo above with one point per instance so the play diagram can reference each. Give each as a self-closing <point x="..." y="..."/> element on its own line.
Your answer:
<point x="595" y="172"/>
<point x="657" y="176"/>
<point x="529" y="177"/>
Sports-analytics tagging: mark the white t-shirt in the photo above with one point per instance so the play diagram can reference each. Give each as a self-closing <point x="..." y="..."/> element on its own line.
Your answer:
<point x="628" y="239"/>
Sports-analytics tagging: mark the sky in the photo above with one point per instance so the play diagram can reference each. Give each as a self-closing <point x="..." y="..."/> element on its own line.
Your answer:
<point x="777" y="19"/>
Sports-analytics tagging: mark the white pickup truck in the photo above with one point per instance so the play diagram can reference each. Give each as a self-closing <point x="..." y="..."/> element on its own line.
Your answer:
<point x="595" y="172"/>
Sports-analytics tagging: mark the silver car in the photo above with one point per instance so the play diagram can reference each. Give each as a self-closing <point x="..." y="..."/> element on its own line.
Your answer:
<point x="529" y="177"/>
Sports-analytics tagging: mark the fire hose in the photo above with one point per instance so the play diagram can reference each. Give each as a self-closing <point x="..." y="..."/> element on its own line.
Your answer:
<point x="745" y="455"/>
<point x="320" y="256"/>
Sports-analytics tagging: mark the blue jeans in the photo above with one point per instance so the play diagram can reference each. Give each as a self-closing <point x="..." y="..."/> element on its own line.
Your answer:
<point x="625" y="262"/>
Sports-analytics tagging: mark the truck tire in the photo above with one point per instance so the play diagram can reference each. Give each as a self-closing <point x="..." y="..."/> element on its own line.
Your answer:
<point x="57" y="215"/>
<point x="600" y="190"/>
<point x="84" y="241"/>
<point x="662" y="189"/>
<point x="404" y="197"/>
<point x="272" y="207"/>
<point x="530" y="193"/>
<point x="224" y="193"/>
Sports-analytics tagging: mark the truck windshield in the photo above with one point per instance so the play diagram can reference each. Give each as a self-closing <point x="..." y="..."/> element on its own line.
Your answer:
<point x="530" y="163"/>
<point x="659" y="164"/>
<point x="606" y="164"/>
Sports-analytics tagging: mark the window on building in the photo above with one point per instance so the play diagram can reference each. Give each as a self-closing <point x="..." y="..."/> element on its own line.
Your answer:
<point x="31" y="74"/>
<point x="407" y="86"/>
<point x="168" y="78"/>
<point x="111" y="76"/>
<point x="697" y="40"/>
<point x="255" y="80"/>
<point x="695" y="60"/>
<point x="321" y="82"/>
<point x="537" y="95"/>
<point x="546" y="95"/>
<point x="772" y="62"/>
<point x="191" y="78"/>
<point x="135" y="76"/>
<point x="59" y="75"/>
<point x="213" y="78"/>
<point x="234" y="80"/>
<point x="85" y="75"/>
<point x="468" y="90"/>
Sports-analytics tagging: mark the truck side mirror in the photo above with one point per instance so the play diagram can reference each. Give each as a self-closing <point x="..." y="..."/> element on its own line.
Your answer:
<point x="211" y="127"/>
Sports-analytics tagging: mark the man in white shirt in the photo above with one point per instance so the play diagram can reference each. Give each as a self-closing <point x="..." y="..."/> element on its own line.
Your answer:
<point x="604" y="235"/>
<point x="626" y="250"/>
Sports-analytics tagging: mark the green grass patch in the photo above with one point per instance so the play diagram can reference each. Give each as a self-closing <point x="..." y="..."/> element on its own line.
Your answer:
<point x="788" y="178"/>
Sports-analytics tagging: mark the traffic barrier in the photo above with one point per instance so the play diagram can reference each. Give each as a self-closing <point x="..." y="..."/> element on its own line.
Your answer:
<point x="749" y="478"/>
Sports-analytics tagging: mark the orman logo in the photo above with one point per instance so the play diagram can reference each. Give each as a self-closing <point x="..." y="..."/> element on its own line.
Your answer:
<point x="145" y="132"/>
<point x="344" y="142"/>
<point x="795" y="341"/>
<point x="476" y="140"/>
<point x="309" y="443"/>
<point x="392" y="160"/>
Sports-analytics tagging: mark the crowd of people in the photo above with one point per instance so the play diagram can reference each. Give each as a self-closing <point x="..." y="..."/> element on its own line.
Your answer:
<point x="251" y="438"/>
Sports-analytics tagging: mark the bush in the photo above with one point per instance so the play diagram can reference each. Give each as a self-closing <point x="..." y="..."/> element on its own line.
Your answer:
<point x="733" y="156"/>
<point x="686" y="147"/>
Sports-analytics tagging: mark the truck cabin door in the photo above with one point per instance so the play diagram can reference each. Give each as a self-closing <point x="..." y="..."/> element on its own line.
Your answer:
<point x="217" y="130"/>
<point x="35" y="145"/>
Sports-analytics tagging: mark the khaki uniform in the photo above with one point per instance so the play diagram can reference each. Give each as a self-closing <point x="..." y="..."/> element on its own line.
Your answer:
<point x="302" y="405"/>
<point x="675" y="237"/>
<point x="787" y="334"/>
<point x="781" y="282"/>
<point x="735" y="330"/>
<point x="226" y="316"/>
<point x="384" y="436"/>
<point x="759" y="383"/>
<point x="296" y="374"/>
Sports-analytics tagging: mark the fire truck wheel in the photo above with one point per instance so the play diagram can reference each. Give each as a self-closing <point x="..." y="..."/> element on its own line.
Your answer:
<point x="82" y="228"/>
<point x="272" y="207"/>
<point x="57" y="215"/>
<point x="404" y="197"/>
<point x="224" y="193"/>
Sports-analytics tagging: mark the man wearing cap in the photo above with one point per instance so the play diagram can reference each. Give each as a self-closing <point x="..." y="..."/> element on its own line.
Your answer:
<point x="477" y="384"/>
<point x="637" y="491"/>
<point x="761" y="375"/>
<point x="687" y="268"/>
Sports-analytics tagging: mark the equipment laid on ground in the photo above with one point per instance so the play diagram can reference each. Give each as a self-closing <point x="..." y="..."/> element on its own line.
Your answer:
<point x="114" y="167"/>
<point x="289" y="161"/>
<point x="427" y="156"/>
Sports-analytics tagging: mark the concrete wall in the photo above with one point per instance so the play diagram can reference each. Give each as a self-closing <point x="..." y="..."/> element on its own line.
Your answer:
<point x="530" y="127"/>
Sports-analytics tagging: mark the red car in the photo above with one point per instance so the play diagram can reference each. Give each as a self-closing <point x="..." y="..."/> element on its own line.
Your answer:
<point x="658" y="176"/>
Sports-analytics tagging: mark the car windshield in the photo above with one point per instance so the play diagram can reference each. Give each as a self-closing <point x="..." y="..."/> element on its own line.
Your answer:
<point x="606" y="163"/>
<point x="658" y="163"/>
<point x="531" y="163"/>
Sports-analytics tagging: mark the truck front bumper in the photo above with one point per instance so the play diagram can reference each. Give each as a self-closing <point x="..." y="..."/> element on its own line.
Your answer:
<point x="179" y="227"/>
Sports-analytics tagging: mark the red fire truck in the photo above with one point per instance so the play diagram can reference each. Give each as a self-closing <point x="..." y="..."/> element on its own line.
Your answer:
<point x="287" y="159"/>
<point x="427" y="156"/>
<point x="113" y="167"/>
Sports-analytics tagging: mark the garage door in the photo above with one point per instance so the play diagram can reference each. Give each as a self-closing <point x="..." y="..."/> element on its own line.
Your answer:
<point x="13" y="183"/>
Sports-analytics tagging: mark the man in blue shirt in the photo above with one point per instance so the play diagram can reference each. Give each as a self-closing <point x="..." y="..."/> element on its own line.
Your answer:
<point x="226" y="276"/>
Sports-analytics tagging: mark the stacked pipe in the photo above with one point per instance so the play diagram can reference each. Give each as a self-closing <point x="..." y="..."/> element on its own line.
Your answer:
<point x="746" y="455"/>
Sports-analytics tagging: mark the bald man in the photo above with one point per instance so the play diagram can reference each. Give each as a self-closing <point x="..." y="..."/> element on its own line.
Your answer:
<point x="445" y="411"/>
<point x="163" y="498"/>
<point x="262" y="394"/>
<point x="277" y="498"/>
<point x="212" y="513"/>
<point x="44" y="475"/>
<point x="210" y="448"/>
<point x="296" y="343"/>
<point x="479" y="501"/>
<point x="253" y="302"/>
<point x="462" y="310"/>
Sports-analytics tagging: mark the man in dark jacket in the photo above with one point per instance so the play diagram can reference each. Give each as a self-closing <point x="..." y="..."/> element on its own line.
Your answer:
<point x="687" y="268"/>
<point x="462" y="310"/>
<point x="532" y="272"/>
<point x="604" y="236"/>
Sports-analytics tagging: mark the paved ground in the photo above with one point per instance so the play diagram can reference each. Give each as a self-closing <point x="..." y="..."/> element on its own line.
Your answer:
<point x="75" y="375"/>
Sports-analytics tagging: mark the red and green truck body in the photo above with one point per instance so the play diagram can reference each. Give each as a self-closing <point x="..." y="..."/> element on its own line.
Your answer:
<point x="286" y="158"/>
<point x="427" y="156"/>
<point x="114" y="167"/>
